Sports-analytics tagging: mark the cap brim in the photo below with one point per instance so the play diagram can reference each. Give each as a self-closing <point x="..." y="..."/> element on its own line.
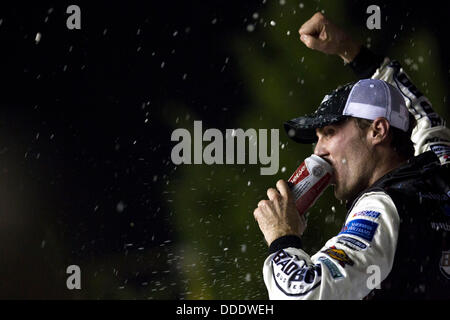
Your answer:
<point x="303" y="129"/>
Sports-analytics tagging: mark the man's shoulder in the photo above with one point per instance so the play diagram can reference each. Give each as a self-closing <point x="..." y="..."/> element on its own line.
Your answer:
<point x="372" y="205"/>
<point x="372" y="198"/>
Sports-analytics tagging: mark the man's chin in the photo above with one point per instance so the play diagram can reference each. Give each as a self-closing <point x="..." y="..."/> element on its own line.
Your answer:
<point x="342" y="194"/>
<point x="336" y="194"/>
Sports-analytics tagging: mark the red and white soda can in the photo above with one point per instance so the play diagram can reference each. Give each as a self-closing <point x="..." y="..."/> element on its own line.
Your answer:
<point x="309" y="181"/>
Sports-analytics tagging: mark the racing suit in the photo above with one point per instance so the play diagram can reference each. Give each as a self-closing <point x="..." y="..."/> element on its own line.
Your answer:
<point x="395" y="231"/>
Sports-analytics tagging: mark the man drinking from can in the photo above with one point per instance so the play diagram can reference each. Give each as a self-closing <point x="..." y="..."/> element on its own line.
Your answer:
<point x="389" y="153"/>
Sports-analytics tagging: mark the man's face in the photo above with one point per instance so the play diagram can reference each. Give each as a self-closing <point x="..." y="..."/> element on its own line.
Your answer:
<point x="344" y="146"/>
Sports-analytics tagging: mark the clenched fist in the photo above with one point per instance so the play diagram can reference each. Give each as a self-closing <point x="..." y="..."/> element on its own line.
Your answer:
<point x="278" y="216"/>
<point x="320" y="34"/>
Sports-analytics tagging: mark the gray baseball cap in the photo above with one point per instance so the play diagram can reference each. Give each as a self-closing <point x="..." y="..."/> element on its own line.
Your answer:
<point x="366" y="99"/>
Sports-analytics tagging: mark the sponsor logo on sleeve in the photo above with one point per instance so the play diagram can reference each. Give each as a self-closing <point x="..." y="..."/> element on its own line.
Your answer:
<point x="334" y="271"/>
<point x="293" y="276"/>
<point x="339" y="255"/>
<point x="362" y="228"/>
<point x="367" y="213"/>
<point x="442" y="151"/>
<point x="352" y="243"/>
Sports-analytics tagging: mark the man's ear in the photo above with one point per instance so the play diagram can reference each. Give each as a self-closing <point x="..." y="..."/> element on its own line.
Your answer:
<point x="379" y="131"/>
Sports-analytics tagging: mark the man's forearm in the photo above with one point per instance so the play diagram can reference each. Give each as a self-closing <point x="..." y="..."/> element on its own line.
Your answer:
<point x="365" y="63"/>
<point x="350" y="50"/>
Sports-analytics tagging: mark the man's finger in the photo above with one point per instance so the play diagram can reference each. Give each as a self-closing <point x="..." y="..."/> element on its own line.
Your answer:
<point x="283" y="188"/>
<point x="273" y="194"/>
<point x="256" y="213"/>
<point x="312" y="42"/>
<point x="263" y="203"/>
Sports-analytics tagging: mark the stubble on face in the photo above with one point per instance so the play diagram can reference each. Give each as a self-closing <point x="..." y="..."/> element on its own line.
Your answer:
<point x="352" y="165"/>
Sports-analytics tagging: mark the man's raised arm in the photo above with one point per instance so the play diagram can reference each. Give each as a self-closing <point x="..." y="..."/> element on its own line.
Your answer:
<point x="430" y="133"/>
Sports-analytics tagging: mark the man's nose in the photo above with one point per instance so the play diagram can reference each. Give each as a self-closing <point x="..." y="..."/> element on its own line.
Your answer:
<point x="320" y="149"/>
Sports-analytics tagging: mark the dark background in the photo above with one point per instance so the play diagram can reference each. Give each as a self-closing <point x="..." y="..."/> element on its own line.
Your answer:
<point x="86" y="115"/>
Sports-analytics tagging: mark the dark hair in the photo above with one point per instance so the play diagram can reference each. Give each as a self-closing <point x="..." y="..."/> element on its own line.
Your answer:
<point x="401" y="140"/>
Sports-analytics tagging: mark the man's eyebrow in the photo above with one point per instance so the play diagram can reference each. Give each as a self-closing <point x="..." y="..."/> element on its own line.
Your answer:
<point x="334" y="125"/>
<point x="322" y="129"/>
<point x="319" y="130"/>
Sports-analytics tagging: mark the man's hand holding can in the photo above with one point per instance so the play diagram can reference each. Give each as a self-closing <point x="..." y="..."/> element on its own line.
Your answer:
<point x="283" y="213"/>
<point x="278" y="216"/>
